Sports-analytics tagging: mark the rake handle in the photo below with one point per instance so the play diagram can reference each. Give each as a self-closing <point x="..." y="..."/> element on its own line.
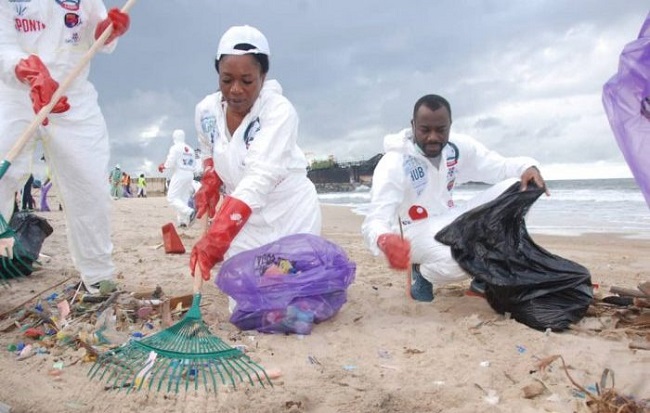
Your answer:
<point x="198" y="276"/>
<point x="63" y="87"/>
<point x="198" y="280"/>
<point x="410" y="268"/>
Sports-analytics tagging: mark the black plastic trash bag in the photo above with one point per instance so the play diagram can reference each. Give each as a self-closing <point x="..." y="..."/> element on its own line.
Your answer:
<point x="537" y="288"/>
<point x="30" y="232"/>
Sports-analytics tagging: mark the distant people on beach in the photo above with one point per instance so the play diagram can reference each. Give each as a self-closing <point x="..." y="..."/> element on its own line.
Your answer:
<point x="412" y="189"/>
<point x="142" y="186"/>
<point x="180" y="165"/>
<point x="28" y="203"/>
<point x="248" y="135"/>
<point x="45" y="188"/>
<point x="126" y="185"/>
<point x="115" y="179"/>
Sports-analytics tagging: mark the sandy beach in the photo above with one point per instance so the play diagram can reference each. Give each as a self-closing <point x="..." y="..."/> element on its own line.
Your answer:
<point x="380" y="353"/>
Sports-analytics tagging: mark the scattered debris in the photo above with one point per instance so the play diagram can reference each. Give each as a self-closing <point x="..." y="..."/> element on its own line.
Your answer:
<point x="601" y="399"/>
<point x="627" y="313"/>
<point x="67" y="320"/>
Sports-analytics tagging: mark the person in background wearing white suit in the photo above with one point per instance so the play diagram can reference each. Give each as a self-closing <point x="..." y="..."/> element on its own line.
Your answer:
<point x="180" y="164"/>
<point x="248" y="133"/>
<point x="412" y="189"/>
<point x="41" y="42"/>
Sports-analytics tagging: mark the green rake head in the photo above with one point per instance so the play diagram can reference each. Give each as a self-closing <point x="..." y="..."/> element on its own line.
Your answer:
<point x="12" y="264"/>
<point x="183" y="356"/>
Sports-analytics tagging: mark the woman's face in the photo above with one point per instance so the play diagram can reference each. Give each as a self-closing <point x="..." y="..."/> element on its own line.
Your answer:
<point x="240" y="81"/>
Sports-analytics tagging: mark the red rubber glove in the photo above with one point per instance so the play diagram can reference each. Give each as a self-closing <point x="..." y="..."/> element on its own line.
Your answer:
<point x="213" y="245"/>
<point x="161" y="167"/>
<point x="207" y="197"/>
<point x="121" y="22"/>
<point x="396" y="249"/>
<point x="34" y="73"/>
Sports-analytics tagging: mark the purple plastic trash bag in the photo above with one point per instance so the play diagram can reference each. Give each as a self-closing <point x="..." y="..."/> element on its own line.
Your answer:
<point x="287" y="286"/>
<point x="626" y="98"/>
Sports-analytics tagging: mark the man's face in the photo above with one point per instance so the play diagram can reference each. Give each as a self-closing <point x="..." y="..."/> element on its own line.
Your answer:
<point x="431" y="129"/>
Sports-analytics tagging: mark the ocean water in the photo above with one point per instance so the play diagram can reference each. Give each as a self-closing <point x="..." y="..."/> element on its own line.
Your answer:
<point x="574" y="207"/>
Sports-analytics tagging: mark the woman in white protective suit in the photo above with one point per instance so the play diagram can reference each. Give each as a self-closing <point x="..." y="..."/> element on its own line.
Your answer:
<point x="42" y="42"/>
<point x="181" y="164"/>
<point x="248" y="132"/>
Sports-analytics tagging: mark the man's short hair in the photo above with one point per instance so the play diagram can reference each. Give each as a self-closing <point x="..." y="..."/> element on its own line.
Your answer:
<point x="433" y="102"/>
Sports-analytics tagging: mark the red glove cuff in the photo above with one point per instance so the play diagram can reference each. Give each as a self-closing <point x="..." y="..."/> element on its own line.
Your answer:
<point x="33" y="72"/>
<point x="211" y="180"/>
<point x="199" y="258"/>
<point x="212" y="247"/>
<point x="30" y="69"/>
<point x="207" y="197"/>
<point x="387" y="241"/>
<point x="208" y="163"/>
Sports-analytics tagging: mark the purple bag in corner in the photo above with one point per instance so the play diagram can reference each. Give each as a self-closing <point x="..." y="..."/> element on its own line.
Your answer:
<point x="626" y="98"/>
<point x="287" y="286"/>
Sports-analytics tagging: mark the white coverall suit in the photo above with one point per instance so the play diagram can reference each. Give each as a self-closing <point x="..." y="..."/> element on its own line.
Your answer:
<point x="407" y="184"/>
<point x="181" y="163"/>
<point x="261" y="165"/>
<point x="75" y="142"/>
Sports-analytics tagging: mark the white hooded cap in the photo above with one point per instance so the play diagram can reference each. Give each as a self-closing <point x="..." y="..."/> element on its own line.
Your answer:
<point x="179" y="136"/>
<point x="243" y="34"/>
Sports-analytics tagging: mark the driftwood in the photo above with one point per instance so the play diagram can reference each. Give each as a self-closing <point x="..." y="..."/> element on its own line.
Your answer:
<point x="645" y="287"/>
<point x="107" y="302"/>
<point x="627" y="292"/>
<point x="640" y="345"/>
<point x="166" y="314"/>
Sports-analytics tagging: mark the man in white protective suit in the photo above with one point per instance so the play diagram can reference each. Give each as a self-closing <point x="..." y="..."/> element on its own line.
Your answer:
<point x="412" y="190"/>
<point x="181" y="165"/>
<point x="41" y="42"/>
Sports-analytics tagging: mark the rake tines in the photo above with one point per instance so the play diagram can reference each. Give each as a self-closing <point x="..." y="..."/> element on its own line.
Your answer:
<point x="185" y="355"/>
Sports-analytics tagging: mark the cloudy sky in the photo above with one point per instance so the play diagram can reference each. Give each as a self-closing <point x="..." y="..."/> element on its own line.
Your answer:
<point x="523" y="77"/>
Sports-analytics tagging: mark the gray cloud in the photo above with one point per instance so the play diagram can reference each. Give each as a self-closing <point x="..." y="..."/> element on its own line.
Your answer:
<point x="523" y="77"/>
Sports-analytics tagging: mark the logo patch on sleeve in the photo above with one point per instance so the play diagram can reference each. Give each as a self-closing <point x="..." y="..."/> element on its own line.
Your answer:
<point x="71" y="20"/>
<point x="417" y="212"/>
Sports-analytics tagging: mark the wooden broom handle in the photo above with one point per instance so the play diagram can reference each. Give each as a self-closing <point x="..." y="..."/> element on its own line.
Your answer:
<point x="63" y="86"/>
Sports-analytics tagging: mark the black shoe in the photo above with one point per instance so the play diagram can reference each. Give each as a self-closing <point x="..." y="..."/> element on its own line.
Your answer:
<point x="477" y="287"/>
<point x="421" y="288"/>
